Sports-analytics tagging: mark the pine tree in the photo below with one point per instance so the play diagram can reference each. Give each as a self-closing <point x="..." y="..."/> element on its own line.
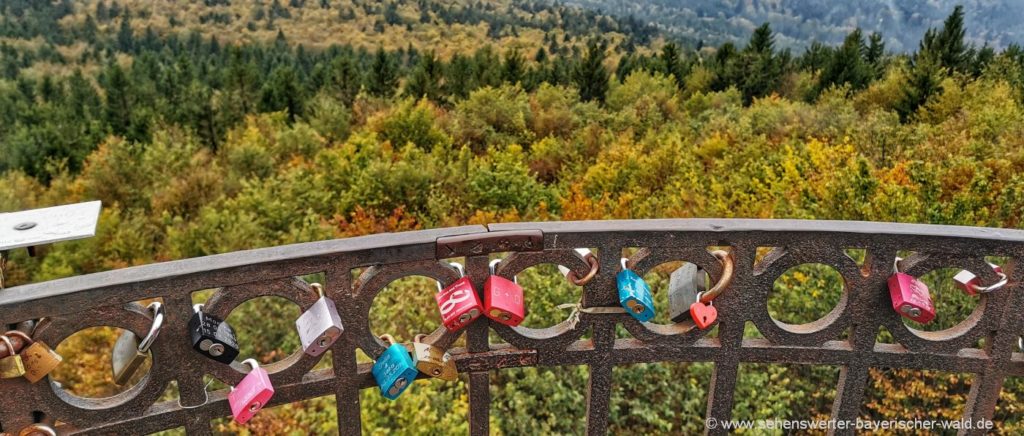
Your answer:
<point x="125" y="37"/>
<point x="282" y="91"/>
<point x="672" y="63"/>
<point x="383" y="77"/>
<point x="345" y="79"/>
<point x="425" y="81"/>
<point x="923" y="81"/>
<point x="514" y="67"/>
<point x="874" y="55"/>
<point x="846" y="65"/>
<point x="590" y="75"/>
<point x="117" y="107"/>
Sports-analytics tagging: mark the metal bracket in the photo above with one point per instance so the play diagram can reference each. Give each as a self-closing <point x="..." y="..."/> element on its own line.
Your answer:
<point x="489" y="242"/>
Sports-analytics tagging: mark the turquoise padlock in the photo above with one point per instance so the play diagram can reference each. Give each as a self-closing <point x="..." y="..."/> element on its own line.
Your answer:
<point x="394" y="369"/>
<point x="634" y="294"/>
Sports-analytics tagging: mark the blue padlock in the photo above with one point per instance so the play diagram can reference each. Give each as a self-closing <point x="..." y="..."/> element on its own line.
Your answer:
<point x="394" y="370"/>
<point x="634" y="294"/>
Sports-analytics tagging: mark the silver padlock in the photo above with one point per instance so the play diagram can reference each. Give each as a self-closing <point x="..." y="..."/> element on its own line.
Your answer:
<point x="684" y="285"/>
<point x="129" y="353"/>
<point x="320" y="326"/>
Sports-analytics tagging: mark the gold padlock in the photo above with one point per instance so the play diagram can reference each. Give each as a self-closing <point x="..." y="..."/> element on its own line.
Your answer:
<point x="11" y="366"/>
<point x="40" y="360"/>
<point x="433" y="361"/>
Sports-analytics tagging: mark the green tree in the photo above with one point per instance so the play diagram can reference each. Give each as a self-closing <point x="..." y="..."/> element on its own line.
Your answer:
<point x="846" y="66"/>
<point x="425" y="81"/>
<point x="282" y="91"/>
<point x="383" y="77"/>
<point x="590" y="74"/>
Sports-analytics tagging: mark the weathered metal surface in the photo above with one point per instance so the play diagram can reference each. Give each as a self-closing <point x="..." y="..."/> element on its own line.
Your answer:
<point x="48" y="225"/>
<point x="492" y="242"/>
<point x="845" y="338"/>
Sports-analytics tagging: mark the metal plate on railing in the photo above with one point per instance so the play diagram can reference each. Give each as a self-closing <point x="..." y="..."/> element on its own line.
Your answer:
<point x="34" y="227"/>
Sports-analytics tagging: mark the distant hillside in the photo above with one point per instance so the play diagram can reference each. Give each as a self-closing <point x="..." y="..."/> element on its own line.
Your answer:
<point x="798" y="22"/>
<point x="445" y="26"/>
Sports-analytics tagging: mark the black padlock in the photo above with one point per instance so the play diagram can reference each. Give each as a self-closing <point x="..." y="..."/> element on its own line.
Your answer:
<point x="684" y="285"/>
<point x="212" y="337"/>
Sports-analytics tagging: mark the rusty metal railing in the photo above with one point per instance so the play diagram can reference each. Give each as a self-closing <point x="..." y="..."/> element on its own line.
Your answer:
<point x="846" y="337"/>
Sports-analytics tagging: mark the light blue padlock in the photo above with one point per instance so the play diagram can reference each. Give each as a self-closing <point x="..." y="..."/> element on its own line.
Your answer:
<point x="634" y="294"/>
<point x="394" y="369"/>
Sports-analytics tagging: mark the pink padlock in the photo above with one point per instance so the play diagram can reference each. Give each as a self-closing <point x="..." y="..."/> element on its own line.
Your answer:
<point x="971" y="284"/>
<point x="910" y="296"/>
<point x="251" y="394"/>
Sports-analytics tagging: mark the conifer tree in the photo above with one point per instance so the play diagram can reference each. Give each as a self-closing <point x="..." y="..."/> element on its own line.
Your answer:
<point x="383" y="77"/>
<point x="590" y="75"/>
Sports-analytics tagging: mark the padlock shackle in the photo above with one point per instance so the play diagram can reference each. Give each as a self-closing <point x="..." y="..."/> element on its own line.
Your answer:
<point x="493" y="266"/>
<point x="40" y="428"/>
<point x="728" y="271"/>
<point x="318" y="288"/>
<point x="9" y="344"/>
<point x="154" y="329"/>
<point x="458" y="267"/>
<point x="28" y="340"/>
<point x="251" y="362"/>
<point x="197" y="308"/>
<point x="419" y="338"/>
<point x="623" y="262"/>
<point x="390" y="340"/>
<point x="1003" y="280"/>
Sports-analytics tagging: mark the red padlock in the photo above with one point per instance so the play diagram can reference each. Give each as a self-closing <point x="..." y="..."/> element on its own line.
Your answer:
<point x="971" y="284"/>
<point x="503" y="299"/>
<point x="251" y="394"/>
<point x="910" y="296"/>
<point x="459" y="303"/>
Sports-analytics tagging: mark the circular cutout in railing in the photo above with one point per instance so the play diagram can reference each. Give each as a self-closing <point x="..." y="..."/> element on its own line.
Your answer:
<point x="663" y="285"/>
<point x="545" y="288"/>
<point x="805" y="293"/>
<point x="265" y="328"/>
<point x="405" y="307"/>
<point x="86" y="370"/>
<point x="952" y="305"/>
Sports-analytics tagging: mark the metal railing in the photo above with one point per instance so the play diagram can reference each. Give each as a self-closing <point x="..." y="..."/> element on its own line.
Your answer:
<point x="845" y="338"/>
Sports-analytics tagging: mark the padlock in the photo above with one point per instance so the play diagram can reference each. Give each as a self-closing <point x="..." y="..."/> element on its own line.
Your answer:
<point x="394" y="370"/>
<point x="129" y="353"/>
<point x="703" y="315"/>
<point x="683" y="286"/>
<point x="38" y="358"/>
<point x="11" y="365"/>
<point x="459" y="303"/>
<point x="910" y="297"/>
<point x="251" y="394"/>
<point x="433" y="361"/>
<point x="503" y="299"/>
<point x="319" y="326"/>
<point x="634" y="294"/>
<point x="971" y="284"/>
<point x="212" y="337"/>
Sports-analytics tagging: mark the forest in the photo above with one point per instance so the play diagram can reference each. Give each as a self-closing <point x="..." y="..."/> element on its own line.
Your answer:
<point x="198" y="145"/>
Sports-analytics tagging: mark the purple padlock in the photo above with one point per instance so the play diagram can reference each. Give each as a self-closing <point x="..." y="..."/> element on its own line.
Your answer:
<point x="251" y="394"/>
